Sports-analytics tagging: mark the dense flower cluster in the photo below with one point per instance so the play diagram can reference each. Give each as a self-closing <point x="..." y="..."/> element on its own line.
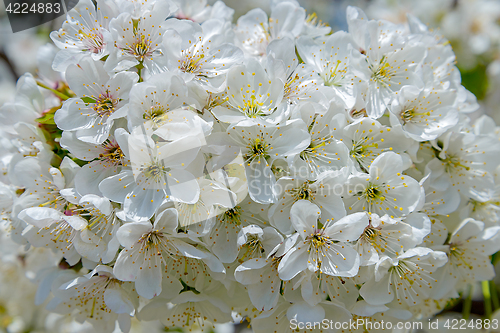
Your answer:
<point x="190" y="170"/>
<point x="473" y="29"/>
<point x="472" y="26"/>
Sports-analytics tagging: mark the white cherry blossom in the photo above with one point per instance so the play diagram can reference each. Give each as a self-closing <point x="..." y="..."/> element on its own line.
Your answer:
<point x="101" y="101"/>
<point x="468" y="249"/>
<point x="157" y="175"/>
<point x="200" y="54"/>
<point x="330" y="60"/>
<point x="199" y="11"/>
<point x="151" y="101"/>
<point x="251" y="93"/>
<point x="261" y="277"/>
<point x="105" y="160"/>
<point x="97" y="240"/>
<point x="146" y="249"/>
<point x="387" y="63"/>
<point x="324" y="191"/>
<point x="98" y="297"/>
<point x="322" y="248"/>
<point x="326" y="150"/>
<point x="85" y="32"/>
<point x="467" y="161"/>
<point x="138" y="43"/>
<point x="260" y="146"/>
<point x="366" y="139"/>
<point x="407" y="278"/>
<point x="255" y="30"/>
<point x="385" y="190"/>
<point x="299" y="79"/>
<point x="424" y="114"/>
<point x="167" y="168"/>
<point x="225" y="232"/>
<point x="383" y="236"/>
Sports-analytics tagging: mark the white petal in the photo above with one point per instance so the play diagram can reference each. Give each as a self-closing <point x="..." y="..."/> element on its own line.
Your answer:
<point x="130" y="233"/>
<point x="118" y="301"/>
<point x="293" y="263"/>
<point x="148" y="282"/>
<point x="304" y="216"/>
<point x="349" y="228"/>
<point x="40" y="217"/>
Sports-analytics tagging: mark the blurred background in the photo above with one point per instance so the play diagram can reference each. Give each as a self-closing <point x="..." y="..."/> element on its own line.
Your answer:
<point x="471" y="26"/>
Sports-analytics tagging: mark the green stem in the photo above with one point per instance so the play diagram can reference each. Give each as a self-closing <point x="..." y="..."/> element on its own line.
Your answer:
<point x="494" y="295"/>
<point x="467" y="303"/>
<point x="210" y="110"/>
<point x="485" y="285"/>
<point x="139" y="70"/>
<point x="57" y="93"/>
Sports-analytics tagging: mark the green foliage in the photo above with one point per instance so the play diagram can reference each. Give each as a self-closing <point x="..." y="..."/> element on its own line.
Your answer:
<point x="52" y="136"/>
<point x="187" y="288"/>
<point x="88" y="100"/>
<point x="476" y="80"/>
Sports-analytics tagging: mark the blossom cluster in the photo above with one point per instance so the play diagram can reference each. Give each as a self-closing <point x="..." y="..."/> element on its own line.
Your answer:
<point x="473" y="29"/>
<point x="186" y="169"/>
<point x="471" y="25"/>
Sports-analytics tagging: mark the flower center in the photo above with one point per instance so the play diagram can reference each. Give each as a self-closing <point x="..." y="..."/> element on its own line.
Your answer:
<point x="154" y="171"/>
<point x="373" y="193"/>
<point x="257" y="148"/>
<point x="291" y="86"/>
<point x="215" y="100"/>
<point x="371" y="233"/>
<point x="232" y="216"/>
<point x="253" y="107"/>
<point x="105" y="106"/>
<point x="331" y="74"/>
<point x="318" y="240"/>
<point x="303" y="192"/>
<point x="478" y="205"/>
<point x="408" y="115"/>
<point x="142" y="48"/>
<point x="361" y="149"/>
<point x="55" y="200"/>
<point x="253" y="247"/>
<point x="383" y="72"/>
<point x="275" y="261"/>
<point x="312" y="20"/>
<point x="113" y="154"/>
<point x="402" y="271"/>
<point x="458" y="254"/>
<point x="192" y="64"/>
<point x="93" y="41"/>
<point x="155" y="114"/>
<point x="152" y="239"/>
<point x="453" y="162"/>
<point x="266" y="32"/>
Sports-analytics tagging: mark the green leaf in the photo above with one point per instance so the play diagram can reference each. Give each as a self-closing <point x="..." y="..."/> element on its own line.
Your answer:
<point x="56" y="161"/>
<point x="88" y="100"/>
<point x="47" y="119"/>
<point x="476" y="80"/>
<point x="78" y="161"/>
<point x="187" y="288"/>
